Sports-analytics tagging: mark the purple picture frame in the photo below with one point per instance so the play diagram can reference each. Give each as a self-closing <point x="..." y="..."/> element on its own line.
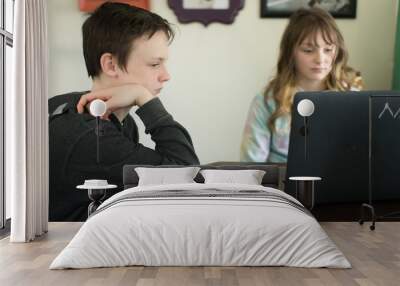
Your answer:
<point x="206" y="16"/>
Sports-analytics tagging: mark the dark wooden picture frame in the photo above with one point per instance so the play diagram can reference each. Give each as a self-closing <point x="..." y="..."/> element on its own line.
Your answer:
<point x="337" y="8"/>
<point x="206" y="15"/>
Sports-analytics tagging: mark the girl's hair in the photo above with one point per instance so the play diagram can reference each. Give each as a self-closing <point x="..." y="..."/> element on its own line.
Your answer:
<point x="304" y="23"/>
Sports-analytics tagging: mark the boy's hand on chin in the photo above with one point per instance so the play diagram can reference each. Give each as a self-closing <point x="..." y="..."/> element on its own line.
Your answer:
<point x="118" y="99"/>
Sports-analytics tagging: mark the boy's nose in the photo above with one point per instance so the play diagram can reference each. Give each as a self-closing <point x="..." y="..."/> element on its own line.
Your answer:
<point x="165" y="76"/>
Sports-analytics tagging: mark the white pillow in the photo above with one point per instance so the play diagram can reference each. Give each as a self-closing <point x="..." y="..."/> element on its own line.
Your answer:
<point x="165" y="176"/>
<point x="248" y="177"/>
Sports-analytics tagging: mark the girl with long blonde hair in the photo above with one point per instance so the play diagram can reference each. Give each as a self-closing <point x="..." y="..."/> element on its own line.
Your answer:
<point x="312" y="57"/>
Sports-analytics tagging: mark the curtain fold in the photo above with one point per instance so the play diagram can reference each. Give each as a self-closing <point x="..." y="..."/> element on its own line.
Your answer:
<point x="396" y="68"/>
<point x="27" y="123"/>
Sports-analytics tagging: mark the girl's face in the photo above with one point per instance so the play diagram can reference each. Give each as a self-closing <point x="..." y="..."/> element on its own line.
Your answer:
<point x="313" y="59"/>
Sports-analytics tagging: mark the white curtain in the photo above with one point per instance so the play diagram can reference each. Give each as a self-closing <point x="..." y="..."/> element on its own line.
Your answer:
<point x="27" y="123"/>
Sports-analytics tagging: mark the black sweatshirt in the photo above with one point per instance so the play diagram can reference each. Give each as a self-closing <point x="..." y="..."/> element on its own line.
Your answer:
<point x="73" y="156"/>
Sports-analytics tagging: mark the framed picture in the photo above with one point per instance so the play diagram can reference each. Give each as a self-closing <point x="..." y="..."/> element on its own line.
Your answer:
<point x="283" y="9"/>
<point x="91" y="5"/>
<point x="206" y="11"/>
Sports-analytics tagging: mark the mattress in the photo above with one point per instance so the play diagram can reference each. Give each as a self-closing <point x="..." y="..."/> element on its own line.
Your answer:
<point x="201" y="225"/>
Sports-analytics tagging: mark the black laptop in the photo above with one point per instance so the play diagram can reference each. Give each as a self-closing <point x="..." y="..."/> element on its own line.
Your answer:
<point x="353" y="144"/>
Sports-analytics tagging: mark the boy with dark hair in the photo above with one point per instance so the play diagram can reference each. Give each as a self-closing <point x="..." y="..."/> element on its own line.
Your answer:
<point x="125" y="50"/>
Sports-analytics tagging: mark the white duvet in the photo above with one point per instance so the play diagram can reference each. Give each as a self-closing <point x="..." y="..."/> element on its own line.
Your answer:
<point x="183" y="231"/>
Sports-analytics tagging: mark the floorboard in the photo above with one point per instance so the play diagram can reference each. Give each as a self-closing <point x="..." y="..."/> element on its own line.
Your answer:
<point x="374" y="255"/>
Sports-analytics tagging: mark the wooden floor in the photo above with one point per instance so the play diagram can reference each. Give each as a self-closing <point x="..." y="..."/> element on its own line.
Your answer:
<point x="374" y="255"/>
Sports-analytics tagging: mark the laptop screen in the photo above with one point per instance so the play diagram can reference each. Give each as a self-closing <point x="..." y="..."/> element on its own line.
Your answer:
<point x="346" y="130"/>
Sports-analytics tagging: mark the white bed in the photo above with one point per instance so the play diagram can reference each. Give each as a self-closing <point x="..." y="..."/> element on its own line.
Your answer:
<point x="201" y="224"/>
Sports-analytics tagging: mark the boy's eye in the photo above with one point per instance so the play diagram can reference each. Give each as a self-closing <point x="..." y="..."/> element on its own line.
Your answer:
<point x="329" y="50"/>
<point x="307" y="50"/>
<point x="155" y="65"/>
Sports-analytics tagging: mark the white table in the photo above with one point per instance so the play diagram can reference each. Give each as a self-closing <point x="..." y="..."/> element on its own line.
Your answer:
<point x="305" y="190"/>
<point x="96" y="194"/>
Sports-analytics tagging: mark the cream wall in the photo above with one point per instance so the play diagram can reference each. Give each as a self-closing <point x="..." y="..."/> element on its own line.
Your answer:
<point x="216" y="70"/>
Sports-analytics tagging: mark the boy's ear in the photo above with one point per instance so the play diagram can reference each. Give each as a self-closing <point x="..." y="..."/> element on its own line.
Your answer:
<point x="109" y="65"/>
